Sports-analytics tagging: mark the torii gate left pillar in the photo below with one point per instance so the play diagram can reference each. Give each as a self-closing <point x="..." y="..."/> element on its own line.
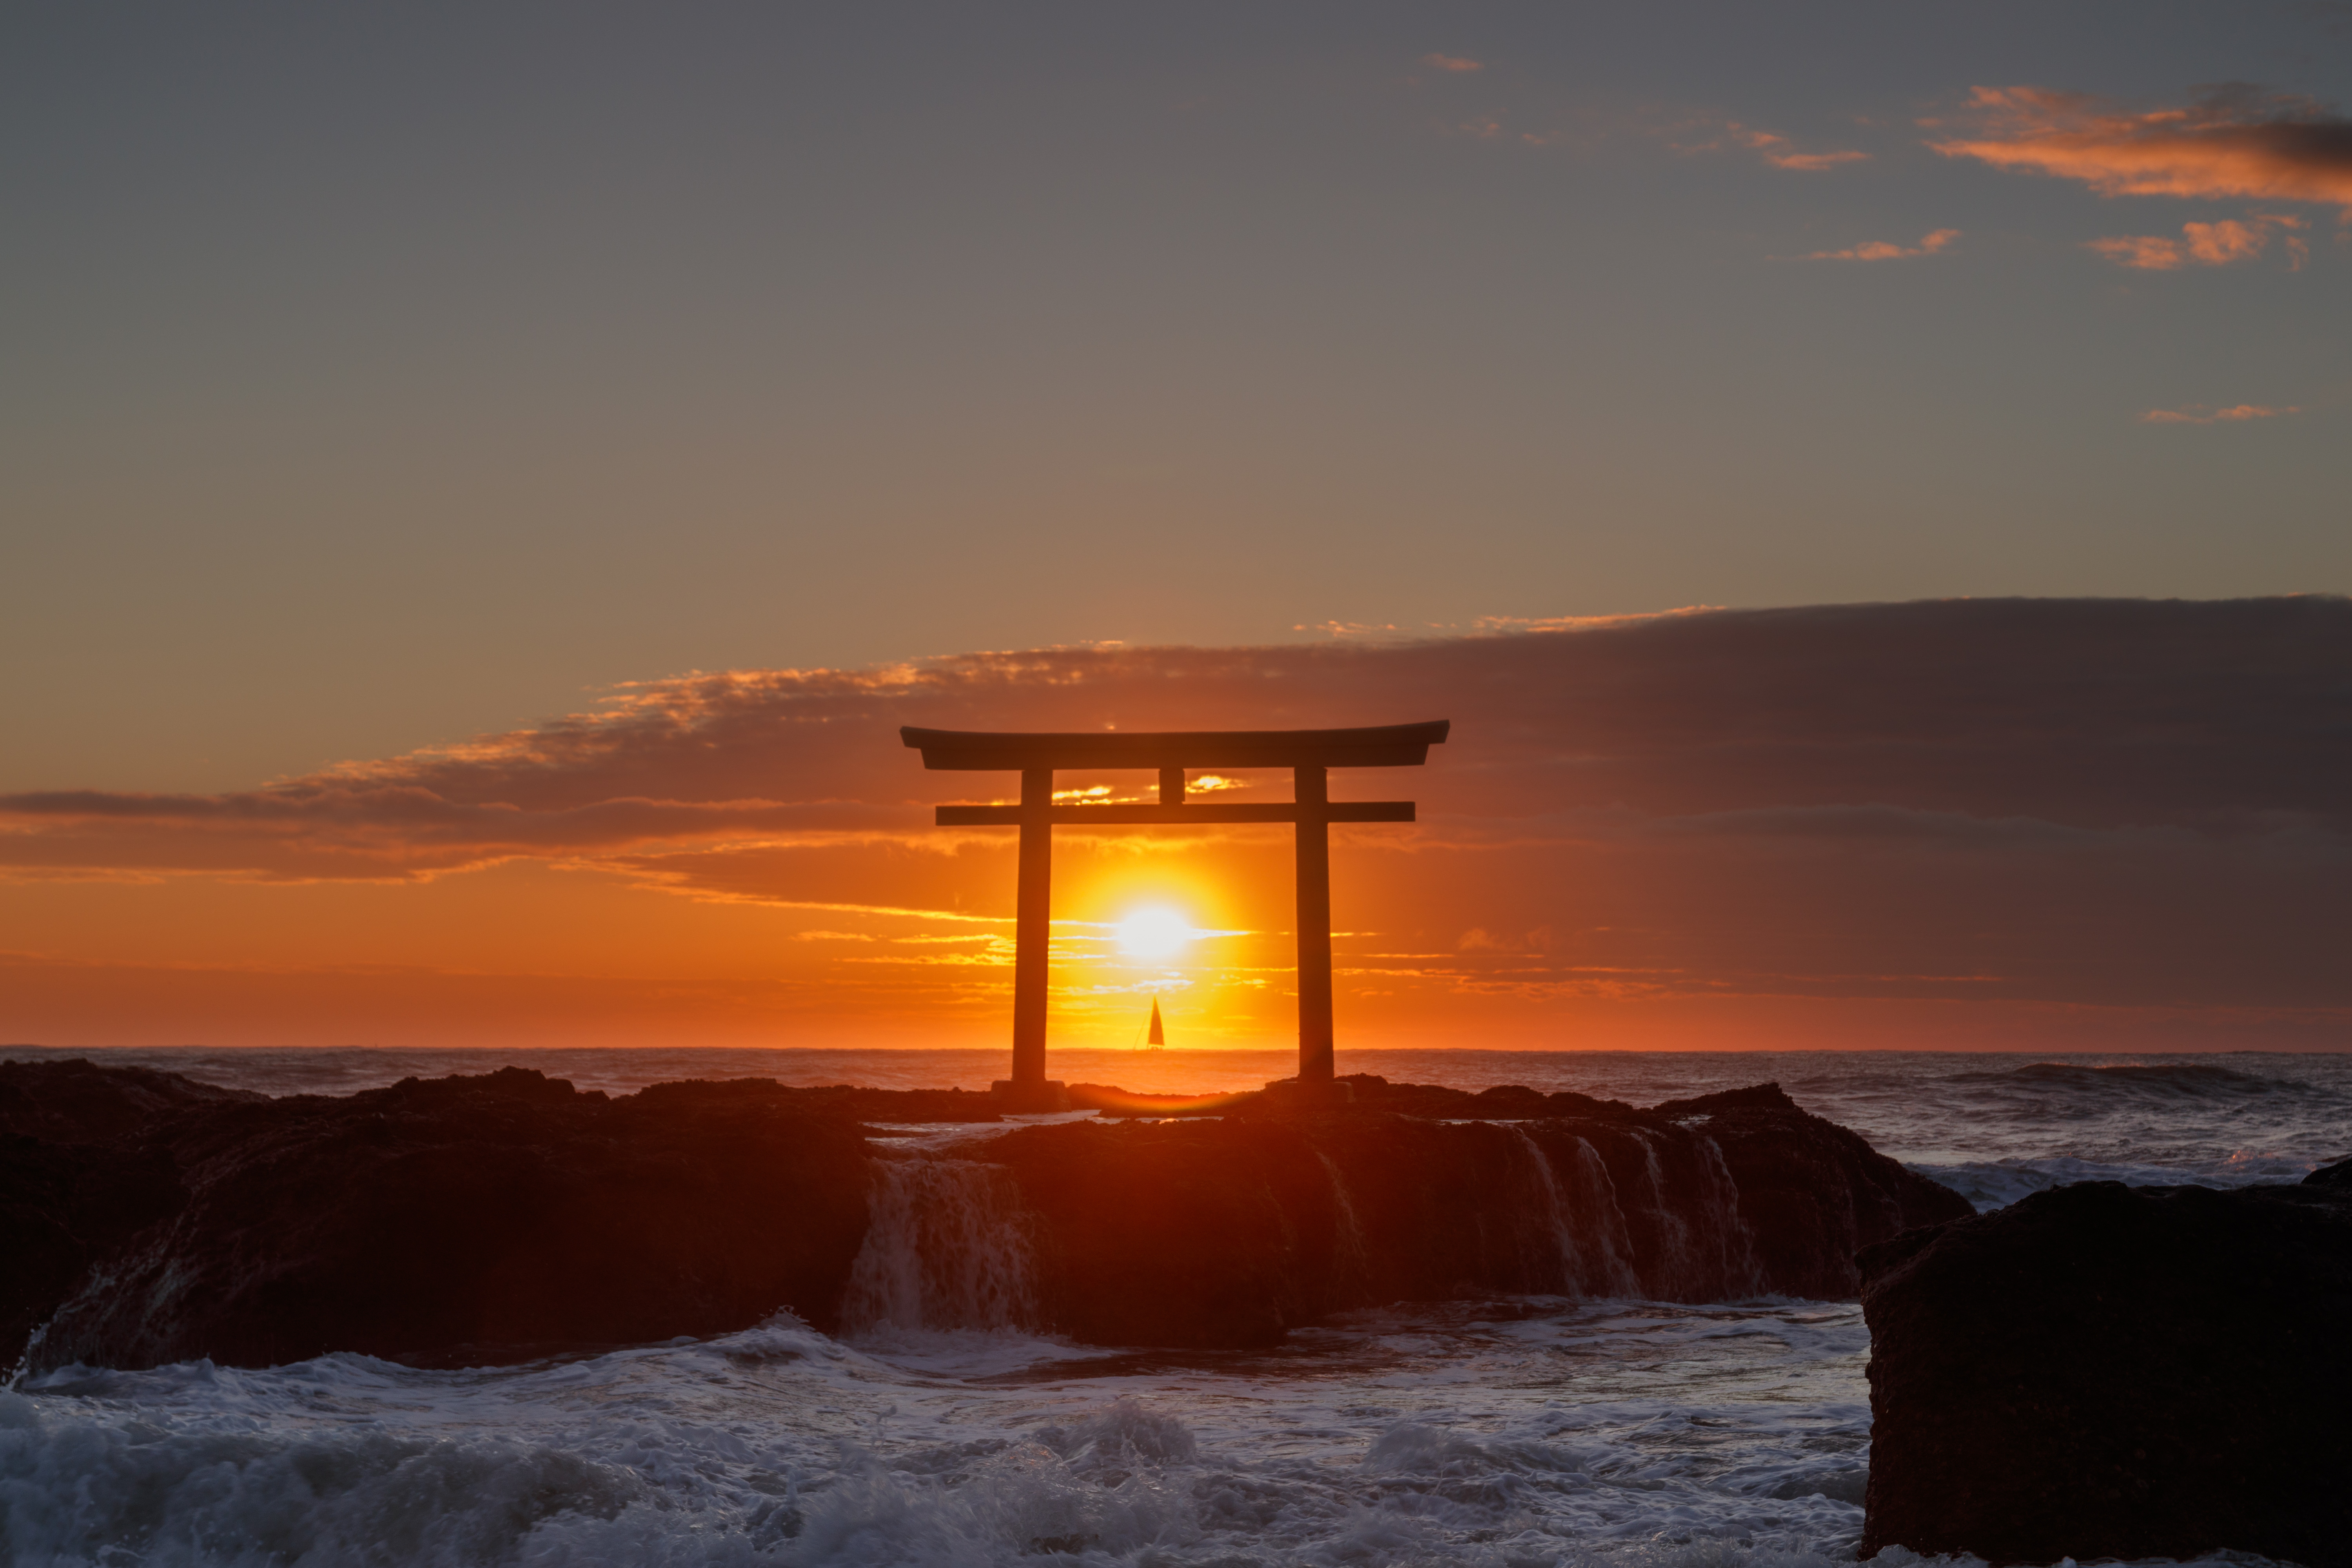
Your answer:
<point x="1308" y="754"/>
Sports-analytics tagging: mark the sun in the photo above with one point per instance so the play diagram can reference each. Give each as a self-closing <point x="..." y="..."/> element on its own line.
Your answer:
<point x="1154" y="932"/>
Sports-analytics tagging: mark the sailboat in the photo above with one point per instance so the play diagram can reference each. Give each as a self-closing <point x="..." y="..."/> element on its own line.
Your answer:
<point x="1158" y="1036"/>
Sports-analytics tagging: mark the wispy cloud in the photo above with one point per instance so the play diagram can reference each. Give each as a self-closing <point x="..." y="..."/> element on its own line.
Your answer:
<point x="1882" y="251"/>
<point x="2202" y="413"/>
<point x="1775" y="149"/>
<point x="1485" y="625"/>
<point x="1459" y="64"/>
<point x="2236" y="141"/>
<point x="2205" y="244"/>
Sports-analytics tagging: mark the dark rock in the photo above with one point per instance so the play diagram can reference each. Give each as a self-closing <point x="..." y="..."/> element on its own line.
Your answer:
<point x="1110" y="1100"/>
<point x="486" y="1218"/>
<point x="64" y="1207"/>
<point x="840" y="1100"/>
<point x="1362" y="1091"/>
<point x="1505" y="1102"/>
<point x="78" y="1101"/>
<point x="1814" y="1192"/>
<point x="1229" y="1231"/>
<point x="505" y="1216"/>
<point x="74" y="1183"/>
<point x="2102" y="1370"/>
<point x="1755" y="1097"/>
<point x="1181" y="1232"/>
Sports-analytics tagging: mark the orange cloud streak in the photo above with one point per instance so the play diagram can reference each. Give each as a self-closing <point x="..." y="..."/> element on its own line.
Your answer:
<point x="2236" y="143"/>
<point x="2202" y="245"/>
<point x="1880" y="250"/>
<point x="1776" y="150"/>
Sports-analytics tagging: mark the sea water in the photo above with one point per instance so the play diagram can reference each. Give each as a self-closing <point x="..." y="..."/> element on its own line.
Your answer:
<point x="943" y="1427"/>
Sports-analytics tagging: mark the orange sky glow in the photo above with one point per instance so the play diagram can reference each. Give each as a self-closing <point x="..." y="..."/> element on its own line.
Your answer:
<point x="2019" y="825"/>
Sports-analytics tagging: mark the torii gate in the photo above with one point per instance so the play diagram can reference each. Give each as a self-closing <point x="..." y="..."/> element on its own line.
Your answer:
<point x="1309" y="753"/>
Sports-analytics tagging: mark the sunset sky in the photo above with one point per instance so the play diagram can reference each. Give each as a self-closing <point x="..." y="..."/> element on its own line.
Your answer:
<point x="481" y="488"/>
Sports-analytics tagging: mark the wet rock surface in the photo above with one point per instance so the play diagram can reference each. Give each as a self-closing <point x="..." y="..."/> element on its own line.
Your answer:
<point x="64" y="1209"/>
<point x="78" y="1101"/>
<point x="2101" y="1371"/>
<point x="1229" y="1231"/>
<point x="489" y="1219"/>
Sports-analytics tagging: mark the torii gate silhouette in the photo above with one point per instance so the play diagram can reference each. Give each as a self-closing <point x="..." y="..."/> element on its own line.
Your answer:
<point x="1309" y="753"/>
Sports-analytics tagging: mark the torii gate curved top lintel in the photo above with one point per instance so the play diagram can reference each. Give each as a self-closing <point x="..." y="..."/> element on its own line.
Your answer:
<point x="1309" y="753"/>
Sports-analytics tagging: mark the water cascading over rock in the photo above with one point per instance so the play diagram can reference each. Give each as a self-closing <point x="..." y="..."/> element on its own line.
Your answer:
<point x="946" y="1248"/>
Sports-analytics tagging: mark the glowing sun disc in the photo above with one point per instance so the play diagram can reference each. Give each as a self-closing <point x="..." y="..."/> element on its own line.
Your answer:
<point x="1154" y="932"/>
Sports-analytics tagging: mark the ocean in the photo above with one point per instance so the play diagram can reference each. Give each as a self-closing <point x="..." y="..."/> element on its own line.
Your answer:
<point x="1505" y="1433"/>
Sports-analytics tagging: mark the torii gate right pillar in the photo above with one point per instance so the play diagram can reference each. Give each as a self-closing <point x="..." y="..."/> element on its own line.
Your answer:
<point x="1032" y="930"/>
<point x="1312" y="797"/>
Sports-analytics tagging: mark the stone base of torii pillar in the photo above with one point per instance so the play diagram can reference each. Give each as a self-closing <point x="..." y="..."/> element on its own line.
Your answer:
<point x="1310" y="1092"/>
<point x="1029" y="1098"/>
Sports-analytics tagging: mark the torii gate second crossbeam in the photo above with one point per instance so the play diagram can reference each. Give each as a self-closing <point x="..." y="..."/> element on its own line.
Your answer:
<point x="1309" y="753"/>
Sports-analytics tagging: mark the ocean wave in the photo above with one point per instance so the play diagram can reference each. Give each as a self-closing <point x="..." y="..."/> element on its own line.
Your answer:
<point x="1531" y="1435"/>
<point x="1994" y="1183"/>
<point x="129" y="1491"/>
<point x="2179" y="1081"/>
<point x="783" y="1447"/>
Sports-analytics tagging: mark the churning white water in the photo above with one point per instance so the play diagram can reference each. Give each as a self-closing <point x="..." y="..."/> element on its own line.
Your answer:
<point x="941" y="1430"/>
<point x="1513" y="1433"/>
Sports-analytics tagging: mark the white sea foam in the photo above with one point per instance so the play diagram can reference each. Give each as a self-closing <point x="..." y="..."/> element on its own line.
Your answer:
<point x="1451" y="1435"/>
<point x="1624" y="1435"/>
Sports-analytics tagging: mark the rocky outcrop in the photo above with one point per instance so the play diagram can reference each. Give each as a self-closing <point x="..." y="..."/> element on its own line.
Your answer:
<point x="64" y="1209"/>
<point x="1229" y="1231"/>
<point x="1362" y="1091"/>
<point x="489" y="1219"/>
<point x="849" y="1102"/>
<point x="78" y="1101"/>
<point x="76" y="1180"/>
<point x="2102" y="1370"/>
<point x="505" y="1216"/>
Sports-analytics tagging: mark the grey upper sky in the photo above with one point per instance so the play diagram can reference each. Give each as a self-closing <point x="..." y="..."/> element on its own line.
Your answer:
<point x="371" y="377"/>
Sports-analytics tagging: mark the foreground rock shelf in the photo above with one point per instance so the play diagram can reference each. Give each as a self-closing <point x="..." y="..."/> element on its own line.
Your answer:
<point x="507" y="1216"/>
<point x="1230" y="1231"/>
<point x="2110" y="1371"/>
<point x="480" y="1218"/>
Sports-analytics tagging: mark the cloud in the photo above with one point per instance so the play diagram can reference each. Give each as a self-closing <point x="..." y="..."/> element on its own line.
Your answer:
<point x="1456" y="63"/>
<point x="2200" y="414"/>
<point x="1775" y="150"/>
<point x="1888" y="704"/>
<point x="2070" y="804"/>
<point x="2204" y="244"/>
<point x="2236" y="141"/>
<point x="1880" y="250"/>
